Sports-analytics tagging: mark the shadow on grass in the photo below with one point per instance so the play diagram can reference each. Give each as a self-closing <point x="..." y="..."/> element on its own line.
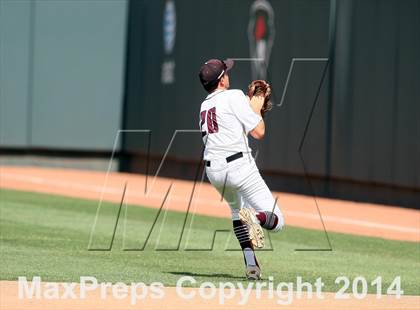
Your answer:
<point x="207" y="275"/>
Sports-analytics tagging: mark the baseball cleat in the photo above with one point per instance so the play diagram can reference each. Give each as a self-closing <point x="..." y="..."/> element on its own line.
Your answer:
<point x="256" y="233"/>
<point x="253" y="272"/>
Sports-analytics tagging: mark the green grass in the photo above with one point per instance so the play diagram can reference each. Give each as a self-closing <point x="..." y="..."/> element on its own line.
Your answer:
<point x="48" y="236"/>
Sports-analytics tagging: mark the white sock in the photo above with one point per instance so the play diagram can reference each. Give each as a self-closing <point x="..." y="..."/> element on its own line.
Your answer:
<point x="249" y="257"/>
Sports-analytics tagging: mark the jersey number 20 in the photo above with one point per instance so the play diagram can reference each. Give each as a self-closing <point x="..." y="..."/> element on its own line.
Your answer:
<point x="209" y="117"/>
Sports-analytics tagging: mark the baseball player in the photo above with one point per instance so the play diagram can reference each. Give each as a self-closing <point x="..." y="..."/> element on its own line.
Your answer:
<point x="227" y="117"/>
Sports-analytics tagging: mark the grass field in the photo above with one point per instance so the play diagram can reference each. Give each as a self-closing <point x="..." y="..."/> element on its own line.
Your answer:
<point x="48" y="236"/>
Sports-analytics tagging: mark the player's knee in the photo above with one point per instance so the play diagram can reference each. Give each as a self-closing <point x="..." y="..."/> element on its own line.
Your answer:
<point x="274" y="221"/>
<point x="280" y="223"/>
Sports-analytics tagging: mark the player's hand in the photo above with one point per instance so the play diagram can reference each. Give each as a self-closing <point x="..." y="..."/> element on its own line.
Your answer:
<point x="257" y="100"/>
<point x="257" y="103"/>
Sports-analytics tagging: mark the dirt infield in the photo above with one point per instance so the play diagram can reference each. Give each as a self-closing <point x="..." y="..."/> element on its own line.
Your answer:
<point x="172" y="300"/>
<point x="301" y="211"/>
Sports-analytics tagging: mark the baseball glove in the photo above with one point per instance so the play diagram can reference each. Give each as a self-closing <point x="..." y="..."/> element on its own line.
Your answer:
<point x="261" y="88"/>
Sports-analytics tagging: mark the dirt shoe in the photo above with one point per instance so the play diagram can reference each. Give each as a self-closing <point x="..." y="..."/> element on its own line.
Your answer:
<point x="256" y="233"/>
<point x="253" y="272"/>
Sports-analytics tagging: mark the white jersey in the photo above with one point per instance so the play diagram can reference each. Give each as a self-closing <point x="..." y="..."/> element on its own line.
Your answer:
<point x="226" y="117"/>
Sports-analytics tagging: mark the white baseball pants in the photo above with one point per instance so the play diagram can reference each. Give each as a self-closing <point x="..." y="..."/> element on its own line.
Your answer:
<point x="241" y="185"/>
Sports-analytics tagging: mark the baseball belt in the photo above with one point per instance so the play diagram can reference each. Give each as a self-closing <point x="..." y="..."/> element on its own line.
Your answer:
<point x="229" y="158"/>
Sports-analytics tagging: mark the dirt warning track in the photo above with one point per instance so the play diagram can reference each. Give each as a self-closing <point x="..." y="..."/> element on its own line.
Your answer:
<point x="301" y="211"/>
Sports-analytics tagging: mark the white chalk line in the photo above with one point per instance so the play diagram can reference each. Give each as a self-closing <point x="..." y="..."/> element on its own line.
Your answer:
<point x="117" y="191"/>
<point x="347" y="221"/>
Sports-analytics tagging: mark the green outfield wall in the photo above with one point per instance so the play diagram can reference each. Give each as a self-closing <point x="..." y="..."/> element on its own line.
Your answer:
<point x="61" y="76"/>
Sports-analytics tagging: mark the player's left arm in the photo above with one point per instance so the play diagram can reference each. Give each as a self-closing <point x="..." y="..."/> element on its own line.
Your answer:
<point x="256" y="103"/>
<point x="259" y="131"/>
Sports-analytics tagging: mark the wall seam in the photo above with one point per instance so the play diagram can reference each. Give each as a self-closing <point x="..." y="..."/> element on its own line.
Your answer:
<point x="31" y="65"/>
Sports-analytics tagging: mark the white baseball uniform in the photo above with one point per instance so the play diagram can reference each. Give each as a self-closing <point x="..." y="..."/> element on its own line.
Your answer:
<point x="226" y="118"/>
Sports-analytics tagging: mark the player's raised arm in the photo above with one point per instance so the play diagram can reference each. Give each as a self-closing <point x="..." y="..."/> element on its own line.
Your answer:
<point x="256" y="103"/>
<point x="250" y="119"/>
